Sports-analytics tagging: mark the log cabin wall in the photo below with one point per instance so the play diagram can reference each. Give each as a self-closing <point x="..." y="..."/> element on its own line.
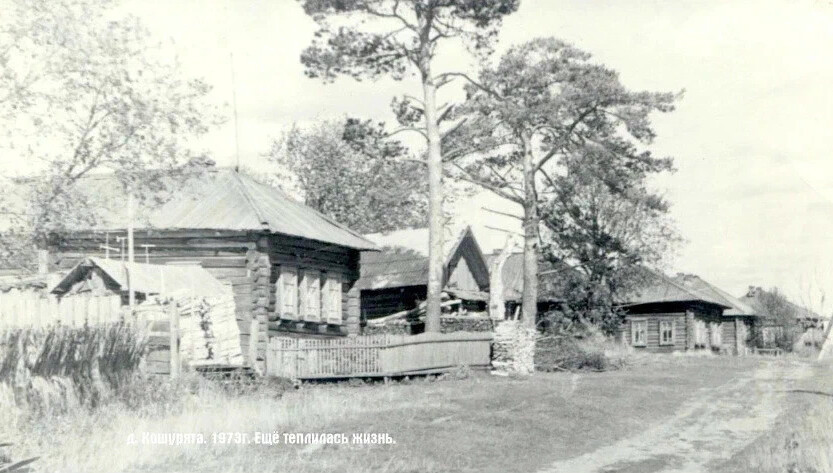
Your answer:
<point x="302" y="254"/>
<point x="382" y="302"/>
<point x="652" y="326"/>
<point x="653" y="317"/>
<point x="249" y="261"/>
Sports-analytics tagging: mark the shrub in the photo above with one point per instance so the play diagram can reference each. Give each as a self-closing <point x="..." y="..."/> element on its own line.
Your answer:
<point x="593" y="352"/>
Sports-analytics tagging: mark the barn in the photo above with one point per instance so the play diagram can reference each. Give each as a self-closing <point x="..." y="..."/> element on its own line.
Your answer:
<point x="395" y="279"/>
<point x="293" y="271"/>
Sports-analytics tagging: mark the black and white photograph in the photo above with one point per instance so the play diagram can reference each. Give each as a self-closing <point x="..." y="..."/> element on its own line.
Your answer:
<point x="509" y="236"/>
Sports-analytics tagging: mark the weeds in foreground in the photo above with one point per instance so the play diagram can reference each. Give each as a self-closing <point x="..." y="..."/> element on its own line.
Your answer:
<point x="7" y="465"/>
<point x="592" y="353"/>
<point x="56" y="368"/>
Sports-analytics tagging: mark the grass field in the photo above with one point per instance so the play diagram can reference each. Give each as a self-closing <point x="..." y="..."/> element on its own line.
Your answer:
<point x="480" y="423"/>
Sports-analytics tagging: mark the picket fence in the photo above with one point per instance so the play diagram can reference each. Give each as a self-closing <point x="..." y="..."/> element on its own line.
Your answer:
<point x="376" y="355"/>
<point x="24" y="308"/>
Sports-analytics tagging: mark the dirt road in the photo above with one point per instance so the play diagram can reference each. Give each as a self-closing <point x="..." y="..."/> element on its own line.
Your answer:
<point x="705" y="432"/>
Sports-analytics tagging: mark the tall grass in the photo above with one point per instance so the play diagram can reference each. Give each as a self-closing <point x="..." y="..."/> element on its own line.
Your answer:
<point x="57" y="367"/>
<point x="592" y="352"/>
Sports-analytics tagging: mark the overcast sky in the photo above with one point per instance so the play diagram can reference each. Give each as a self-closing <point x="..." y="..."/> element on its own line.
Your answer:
<point x="753" y="194"/>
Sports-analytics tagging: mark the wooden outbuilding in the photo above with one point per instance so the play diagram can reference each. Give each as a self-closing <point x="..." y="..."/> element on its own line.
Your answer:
<point x="395" y="279"/>
<point x="292" y="270"/>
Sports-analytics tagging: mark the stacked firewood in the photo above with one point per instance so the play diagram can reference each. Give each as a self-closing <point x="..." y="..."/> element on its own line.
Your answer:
<point x="209" y="330"/>
<point x="513" y="349"/>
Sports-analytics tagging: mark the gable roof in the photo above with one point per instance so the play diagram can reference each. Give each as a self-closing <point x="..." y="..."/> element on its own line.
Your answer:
<point x="404" y="265"/>
<point x="696" y="283"/>
<point x="146" y="278"/>
<point x="217" y="199"/>
<point x="658" y="288"/>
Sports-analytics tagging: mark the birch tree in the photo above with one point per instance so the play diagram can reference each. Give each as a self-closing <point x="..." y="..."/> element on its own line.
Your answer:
<point x="544" y="106"/>
<point x="85" y="89"/>
<point x="369" y="39"/>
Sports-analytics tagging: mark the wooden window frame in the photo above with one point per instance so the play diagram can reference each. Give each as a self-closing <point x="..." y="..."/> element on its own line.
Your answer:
<point x="334" y="295"/>
<point x="716" y="335"/>
<point x="634" y="324"/>
<point x="282" y="291"/>
<point x="670" y="342"/>
<point x="312" y="295"/>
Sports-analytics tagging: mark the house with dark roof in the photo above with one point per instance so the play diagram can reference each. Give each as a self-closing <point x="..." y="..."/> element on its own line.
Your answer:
<point x="684" y="313"/>
<point x="293" y="271"/>
<point x="737" y="322"/>
<point x="395" y="279"/>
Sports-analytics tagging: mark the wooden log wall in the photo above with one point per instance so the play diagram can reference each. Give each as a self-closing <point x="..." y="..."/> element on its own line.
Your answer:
<point x="307" y="254"/>
<point x="262" y="293"/>
<point x="247" y="260"/>
<point x="382" y="302"/>
<point x="653" y="334"/>
<point x="226" y="255"/>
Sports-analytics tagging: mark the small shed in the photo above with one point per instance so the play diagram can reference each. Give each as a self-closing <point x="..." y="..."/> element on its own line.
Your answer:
<point x="100" y="276"/>
<point x="203" y="306"/>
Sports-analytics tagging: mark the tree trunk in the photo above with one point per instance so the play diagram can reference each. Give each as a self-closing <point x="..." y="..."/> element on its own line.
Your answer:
<point x="497" y="304"/>
<point x="529" y="305"/>
<point x="435" y="211"/>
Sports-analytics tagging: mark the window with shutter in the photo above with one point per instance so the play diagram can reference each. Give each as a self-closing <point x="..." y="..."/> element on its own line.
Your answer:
<point x="302" y="294"/>
<point x="313" y="295"/>
<point x="333" y="299"/>
<point x="287" y="293"/>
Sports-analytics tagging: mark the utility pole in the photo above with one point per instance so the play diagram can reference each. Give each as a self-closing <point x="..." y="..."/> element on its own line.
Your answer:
<point x="131" y="293"/>
<point x="106" y="246"/>
<point x="147" y="251"/>
<point x="121" y="240"/>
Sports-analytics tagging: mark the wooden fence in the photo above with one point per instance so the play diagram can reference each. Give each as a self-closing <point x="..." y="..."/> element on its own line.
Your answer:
<point x="376" y="355"/>
<point x="22" y="308"/>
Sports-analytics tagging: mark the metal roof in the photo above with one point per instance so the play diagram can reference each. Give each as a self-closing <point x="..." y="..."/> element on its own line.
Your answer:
<point x="217" y="199"/>
<point x="658" y="288"/>
<point x="147" y="278"/>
